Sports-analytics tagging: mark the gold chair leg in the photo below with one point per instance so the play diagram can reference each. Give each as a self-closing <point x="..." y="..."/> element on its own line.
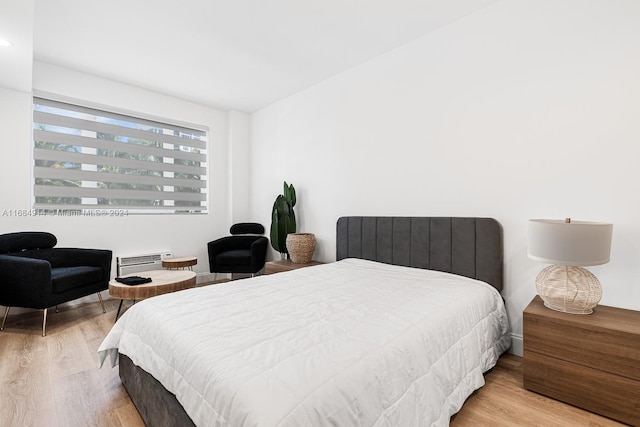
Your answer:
<point x="4" y="319"/>
<point x="101" y="302"/>
<point x="44" y="322"/>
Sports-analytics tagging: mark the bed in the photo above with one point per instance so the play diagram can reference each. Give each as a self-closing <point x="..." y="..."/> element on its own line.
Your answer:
<point x="397" y="332"/>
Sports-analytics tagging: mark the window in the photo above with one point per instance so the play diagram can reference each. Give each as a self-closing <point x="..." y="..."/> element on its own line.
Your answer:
<point x="88" y="159"/>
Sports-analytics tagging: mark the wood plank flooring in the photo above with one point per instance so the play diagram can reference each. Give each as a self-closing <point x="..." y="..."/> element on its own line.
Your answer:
<point x="55" y="381"/>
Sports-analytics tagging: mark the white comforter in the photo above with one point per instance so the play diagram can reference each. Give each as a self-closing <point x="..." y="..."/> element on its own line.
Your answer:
<point x="350" y="343"/>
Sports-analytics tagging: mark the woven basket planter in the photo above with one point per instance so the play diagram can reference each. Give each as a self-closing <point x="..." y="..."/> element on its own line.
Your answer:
<point x="301" y="247"/>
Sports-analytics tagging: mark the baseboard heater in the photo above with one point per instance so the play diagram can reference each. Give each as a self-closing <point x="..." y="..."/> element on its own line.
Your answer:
<point x="143" y="262"/>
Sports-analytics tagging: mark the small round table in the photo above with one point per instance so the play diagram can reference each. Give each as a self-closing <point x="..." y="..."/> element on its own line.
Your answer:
<point x="179" y="263"/>
<point x="162" y="282"/>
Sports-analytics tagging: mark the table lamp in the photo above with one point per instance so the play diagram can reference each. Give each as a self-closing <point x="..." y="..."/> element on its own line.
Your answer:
<point x="565" y="286"/>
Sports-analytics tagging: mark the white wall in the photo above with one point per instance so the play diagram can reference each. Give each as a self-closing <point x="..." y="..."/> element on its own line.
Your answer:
<point x="184" y="235"/>
<point x="525" y="109"/>
<point x="238" y="166"/>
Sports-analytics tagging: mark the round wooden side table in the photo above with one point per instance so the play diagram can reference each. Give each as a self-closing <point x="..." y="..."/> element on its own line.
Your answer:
<point x="162" y="282"/>
<point x="177" y="263"/>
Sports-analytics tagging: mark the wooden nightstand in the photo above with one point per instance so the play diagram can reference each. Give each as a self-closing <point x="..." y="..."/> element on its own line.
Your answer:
<point x="286" y="265"/>
<point x="590" y="361"/>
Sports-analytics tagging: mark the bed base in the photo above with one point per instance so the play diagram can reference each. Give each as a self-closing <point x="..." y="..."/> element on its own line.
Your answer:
<point x="157" y="406"/>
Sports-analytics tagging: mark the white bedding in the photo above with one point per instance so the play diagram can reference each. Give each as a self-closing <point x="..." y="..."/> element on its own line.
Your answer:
<point x="350" y="343"/>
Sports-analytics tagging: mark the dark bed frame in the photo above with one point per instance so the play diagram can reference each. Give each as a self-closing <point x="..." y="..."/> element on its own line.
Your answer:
<point x="470" y="247"/>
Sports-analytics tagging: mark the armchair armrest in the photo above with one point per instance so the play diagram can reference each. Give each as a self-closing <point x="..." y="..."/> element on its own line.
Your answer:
<point x="259" y="252"/>
<point x="218" y="246"/>
<point x="21" y="282"/>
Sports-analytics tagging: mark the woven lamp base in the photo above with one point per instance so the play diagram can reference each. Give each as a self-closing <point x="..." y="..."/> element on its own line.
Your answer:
<point x="301" y="247"/>
<point x="569" y="289"/>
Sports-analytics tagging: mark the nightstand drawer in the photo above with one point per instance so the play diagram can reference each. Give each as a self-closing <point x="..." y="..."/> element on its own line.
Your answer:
<point x="601" y="392"/>
<point x="608" y="340"/>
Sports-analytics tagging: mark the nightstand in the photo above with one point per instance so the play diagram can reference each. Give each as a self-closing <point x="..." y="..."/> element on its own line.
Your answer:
<point x="590" y="361"/>
<point x="272" y="267"/>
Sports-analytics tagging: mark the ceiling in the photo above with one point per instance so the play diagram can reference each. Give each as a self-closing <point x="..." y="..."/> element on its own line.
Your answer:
<point x="16" y="26"/>
<point x="230" y="54"/>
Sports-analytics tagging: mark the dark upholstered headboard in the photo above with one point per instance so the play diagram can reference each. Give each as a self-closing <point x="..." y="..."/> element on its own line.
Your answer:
<point x="470" y="247"/>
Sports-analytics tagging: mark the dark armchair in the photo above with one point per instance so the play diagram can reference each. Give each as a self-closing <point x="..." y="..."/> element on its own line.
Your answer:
<point x="245" y="251"/>
<point x="35" y="274"/>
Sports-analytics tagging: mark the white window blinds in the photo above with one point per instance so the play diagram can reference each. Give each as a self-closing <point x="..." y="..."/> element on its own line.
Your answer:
<point x="86" y="158"/>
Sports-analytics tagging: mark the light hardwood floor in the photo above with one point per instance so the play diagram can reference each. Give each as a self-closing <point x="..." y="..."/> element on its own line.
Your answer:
<point x="55" y="380"/>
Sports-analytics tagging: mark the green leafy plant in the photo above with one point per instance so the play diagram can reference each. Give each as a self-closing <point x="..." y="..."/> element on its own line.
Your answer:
<point x="283" y="218"/>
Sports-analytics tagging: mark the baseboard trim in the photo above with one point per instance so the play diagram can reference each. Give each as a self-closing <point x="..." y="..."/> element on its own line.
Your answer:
<point x="517" y="345"/>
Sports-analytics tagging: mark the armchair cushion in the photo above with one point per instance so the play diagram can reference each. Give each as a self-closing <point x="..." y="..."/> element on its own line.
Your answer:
<point x="68" y="278"/>
<point x="234" y="258"/>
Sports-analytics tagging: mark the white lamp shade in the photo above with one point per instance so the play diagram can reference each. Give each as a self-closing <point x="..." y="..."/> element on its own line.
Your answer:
<point x="577" y="243"/>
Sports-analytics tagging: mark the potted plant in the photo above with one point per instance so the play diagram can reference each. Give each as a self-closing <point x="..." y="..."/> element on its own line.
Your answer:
<point x="283" y="219"/>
